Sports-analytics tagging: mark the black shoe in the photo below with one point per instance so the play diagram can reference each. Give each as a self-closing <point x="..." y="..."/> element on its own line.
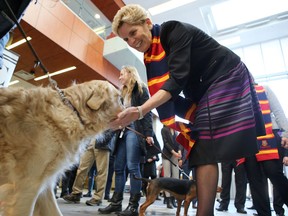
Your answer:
<point x="64" y="194"/>
<point x="87" y="195"/>
<point x="73" y="198"/>
<point x="106" y="197"/>
<point x="93" y="202"/>
<point x="158" y="198"/>
<point x="222" y="208"/>
<point x="114" y="206"/>
<point x="132" y="208"/>
<point x="173" y="201"/>
<point x="241" y="211"/>
<point x="169" y="203"/>
<point x="252" y="207"/>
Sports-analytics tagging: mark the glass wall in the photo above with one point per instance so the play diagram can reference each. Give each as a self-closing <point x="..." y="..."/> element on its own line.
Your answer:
<point x="268" y="62"/>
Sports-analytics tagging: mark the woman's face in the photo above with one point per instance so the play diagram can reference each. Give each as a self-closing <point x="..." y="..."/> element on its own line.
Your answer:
<point x="138" y="37"/>
<point x="124" y="77"/>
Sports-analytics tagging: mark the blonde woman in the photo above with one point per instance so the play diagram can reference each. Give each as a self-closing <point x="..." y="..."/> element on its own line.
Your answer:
<point x="218" y="98"/>
<point x="130" y="147"/>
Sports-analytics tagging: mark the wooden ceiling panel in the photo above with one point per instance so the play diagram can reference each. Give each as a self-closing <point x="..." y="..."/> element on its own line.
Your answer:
<point x="108" y="7"/>
<point x="52" y="56"/>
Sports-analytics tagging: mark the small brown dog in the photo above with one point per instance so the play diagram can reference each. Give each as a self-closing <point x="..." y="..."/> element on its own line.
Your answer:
<point x="182" y="190"/>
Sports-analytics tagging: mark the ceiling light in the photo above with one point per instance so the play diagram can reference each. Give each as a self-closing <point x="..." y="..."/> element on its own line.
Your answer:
<point x="99" y="30"/>
<point x="18" y="43"/>
<point x="172" y="4"/>
<point x="55" y="73"/>
<point x="97" y="16"/>
<point x="13" y="82"/>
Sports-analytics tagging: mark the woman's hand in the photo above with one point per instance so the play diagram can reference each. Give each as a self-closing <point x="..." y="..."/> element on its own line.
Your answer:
<point x="124" y="118"/>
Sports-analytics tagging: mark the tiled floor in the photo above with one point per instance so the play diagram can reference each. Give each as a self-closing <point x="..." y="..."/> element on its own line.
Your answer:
<point x="158" y="208"/>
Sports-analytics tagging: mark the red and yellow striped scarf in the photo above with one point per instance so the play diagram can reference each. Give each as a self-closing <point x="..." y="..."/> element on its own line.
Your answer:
<point x="157" y="73"/>
<point x="267" y="144"/>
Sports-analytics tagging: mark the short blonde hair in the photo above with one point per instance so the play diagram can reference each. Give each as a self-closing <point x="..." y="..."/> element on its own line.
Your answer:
<point x="131" y="14"/>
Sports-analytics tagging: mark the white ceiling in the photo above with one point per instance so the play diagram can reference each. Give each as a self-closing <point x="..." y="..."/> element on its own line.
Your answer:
<point x="274" y="28"/>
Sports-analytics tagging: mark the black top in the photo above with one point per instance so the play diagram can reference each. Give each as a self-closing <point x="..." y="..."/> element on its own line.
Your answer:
<point x="195" y="59"/>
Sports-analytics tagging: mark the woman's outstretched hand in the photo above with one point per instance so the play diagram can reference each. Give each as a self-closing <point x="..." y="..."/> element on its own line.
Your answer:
<point x="124" y="118"/>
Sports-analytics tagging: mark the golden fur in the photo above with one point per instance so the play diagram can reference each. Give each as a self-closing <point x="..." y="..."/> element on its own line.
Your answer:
<point x="40" y="137"/>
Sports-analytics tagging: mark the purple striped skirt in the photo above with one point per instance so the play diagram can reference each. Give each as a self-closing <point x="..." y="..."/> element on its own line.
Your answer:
<point x="228" y="119"/>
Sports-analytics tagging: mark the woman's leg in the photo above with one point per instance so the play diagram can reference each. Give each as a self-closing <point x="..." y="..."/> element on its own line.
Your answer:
<point x="120" y="166"/>
<point x="133" y="153"/>
<point x="120" y="179"/>
<point x="207" y="179"/>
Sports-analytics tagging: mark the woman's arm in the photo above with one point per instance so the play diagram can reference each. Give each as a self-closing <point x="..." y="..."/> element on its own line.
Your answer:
<point x="131" y="114"/>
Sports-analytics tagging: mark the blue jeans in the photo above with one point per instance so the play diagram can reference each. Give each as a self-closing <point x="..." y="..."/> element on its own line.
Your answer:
<point x="127" y="156"/>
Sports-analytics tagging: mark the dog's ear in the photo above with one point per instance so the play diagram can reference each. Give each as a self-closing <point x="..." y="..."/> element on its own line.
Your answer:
<point x="95" y="102"/>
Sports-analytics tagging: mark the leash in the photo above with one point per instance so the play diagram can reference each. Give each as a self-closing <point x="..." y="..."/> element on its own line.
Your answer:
<point x="176" y="165"/>
<point x="38" y="62"/>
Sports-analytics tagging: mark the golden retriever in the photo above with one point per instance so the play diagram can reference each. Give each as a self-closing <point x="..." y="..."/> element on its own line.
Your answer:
<point x="40" y="137"/>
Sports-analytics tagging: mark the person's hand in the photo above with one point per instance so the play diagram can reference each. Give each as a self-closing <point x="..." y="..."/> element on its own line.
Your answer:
<point x="149" y="160"/>
<point x="284" y="142"/>
<point x="124" y="118"/>
<point x="180" y="163"/>
<point x="179" y="152"/>
<point x="150" y="140"/>
<point x="176" y="154"/>
<point x="285" y="161"/>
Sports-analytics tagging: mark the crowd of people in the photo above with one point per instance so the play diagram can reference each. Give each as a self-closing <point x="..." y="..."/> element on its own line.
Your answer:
<point x="231" y="120"/>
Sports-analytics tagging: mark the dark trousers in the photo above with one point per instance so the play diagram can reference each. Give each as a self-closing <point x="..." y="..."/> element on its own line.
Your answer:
<point x="258" y="186"/>
<point x="278" y="202"/>
<point x="274" y="171"/>
<point x="110" y="176"/>
<point x="240" y="183"/>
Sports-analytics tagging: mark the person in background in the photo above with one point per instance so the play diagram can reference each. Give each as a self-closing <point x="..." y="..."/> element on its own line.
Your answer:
<point x="277" y="199"/>
<point x="130" y="147"/>
<point x="18" y="8"/>
<point x="149" y="166"/>
<point x="110" y="176"/>
<point x="240" y="183"/>
<point x="265" y="164"/>
<point x="91" y="180"/>
<point x="171" y="152"/>
<point x="194" y="77"/>
<point x="97" y="152"/>
<point x="3" y="41"/>
<point x="67" y="181"/>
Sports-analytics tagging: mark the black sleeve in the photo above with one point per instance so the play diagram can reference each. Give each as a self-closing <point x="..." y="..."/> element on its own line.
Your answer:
<point x="176" y="41"/>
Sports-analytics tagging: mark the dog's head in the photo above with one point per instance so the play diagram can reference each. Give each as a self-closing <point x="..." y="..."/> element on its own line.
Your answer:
<point x="98" y="103"/>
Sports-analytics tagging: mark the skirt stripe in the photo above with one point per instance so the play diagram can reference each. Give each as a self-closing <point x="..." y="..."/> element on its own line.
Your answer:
<point x="229" y="108"/>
